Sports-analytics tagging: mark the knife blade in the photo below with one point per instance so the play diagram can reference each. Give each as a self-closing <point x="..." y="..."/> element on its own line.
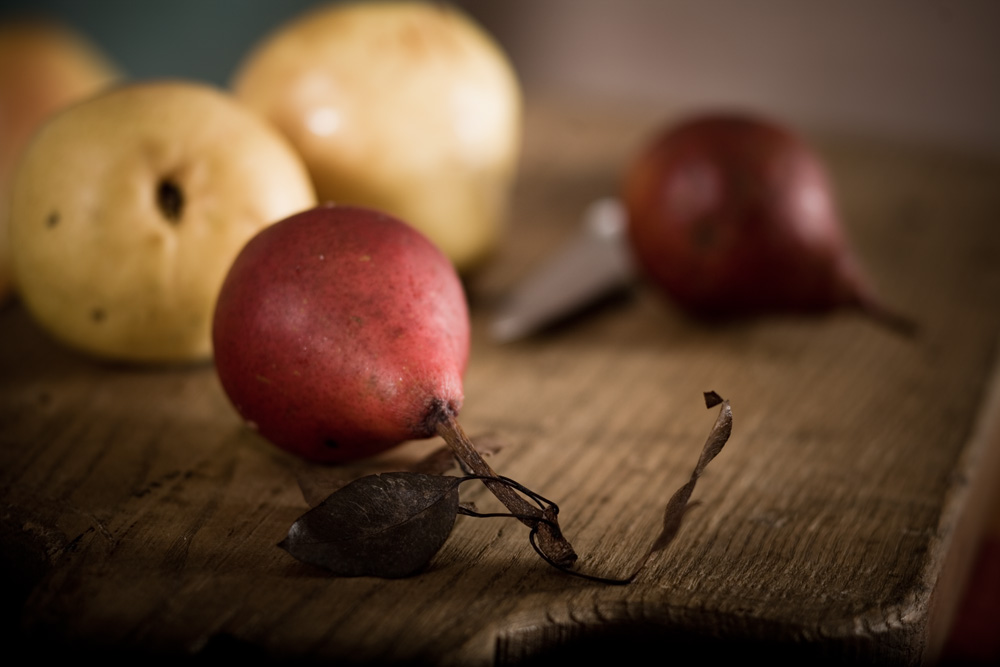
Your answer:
<point x="593" y="264"/>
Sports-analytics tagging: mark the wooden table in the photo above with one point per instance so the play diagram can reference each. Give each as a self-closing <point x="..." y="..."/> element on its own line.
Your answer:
<point x="139" y="517"/>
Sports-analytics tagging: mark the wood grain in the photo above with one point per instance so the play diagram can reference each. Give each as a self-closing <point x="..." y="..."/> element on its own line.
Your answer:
<point x="139" y="517"/>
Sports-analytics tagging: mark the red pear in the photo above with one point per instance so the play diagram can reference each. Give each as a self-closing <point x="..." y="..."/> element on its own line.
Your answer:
<point x="340" y="332"/>
<point x="734" y="215"/>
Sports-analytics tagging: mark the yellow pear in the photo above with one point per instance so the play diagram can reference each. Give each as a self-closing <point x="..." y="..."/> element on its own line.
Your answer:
<point x="407" y="107"/>
<point x="129" y="207"/>
<point x="44" y="66"/>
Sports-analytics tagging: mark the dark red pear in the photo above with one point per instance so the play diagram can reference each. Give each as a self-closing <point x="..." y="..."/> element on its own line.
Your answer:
<point x="734" y="215"/>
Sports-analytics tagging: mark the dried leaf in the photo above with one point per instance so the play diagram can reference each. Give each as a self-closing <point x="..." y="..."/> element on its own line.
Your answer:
<point x="388" y="525"/>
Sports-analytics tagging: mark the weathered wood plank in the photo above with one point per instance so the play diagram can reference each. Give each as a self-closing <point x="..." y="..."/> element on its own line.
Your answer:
<point x="139" y="516"/>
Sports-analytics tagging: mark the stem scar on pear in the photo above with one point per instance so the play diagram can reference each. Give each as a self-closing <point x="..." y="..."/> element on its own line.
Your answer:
<point x="170" y="199"/>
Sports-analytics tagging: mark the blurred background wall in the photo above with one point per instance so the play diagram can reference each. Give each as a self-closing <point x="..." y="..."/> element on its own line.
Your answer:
<point x="926" y="70"/>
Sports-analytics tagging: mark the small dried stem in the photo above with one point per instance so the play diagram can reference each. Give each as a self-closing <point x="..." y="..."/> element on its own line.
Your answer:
<point x="551" y="540"/>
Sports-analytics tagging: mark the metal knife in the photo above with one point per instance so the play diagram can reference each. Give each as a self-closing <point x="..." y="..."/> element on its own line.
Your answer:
<point x="592" y="265"/>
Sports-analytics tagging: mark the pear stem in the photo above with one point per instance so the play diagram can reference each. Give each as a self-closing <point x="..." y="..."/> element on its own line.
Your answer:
<point x="857" y="291"/>
<point x="551" y="540"/>
<point x="873" y="307"/>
